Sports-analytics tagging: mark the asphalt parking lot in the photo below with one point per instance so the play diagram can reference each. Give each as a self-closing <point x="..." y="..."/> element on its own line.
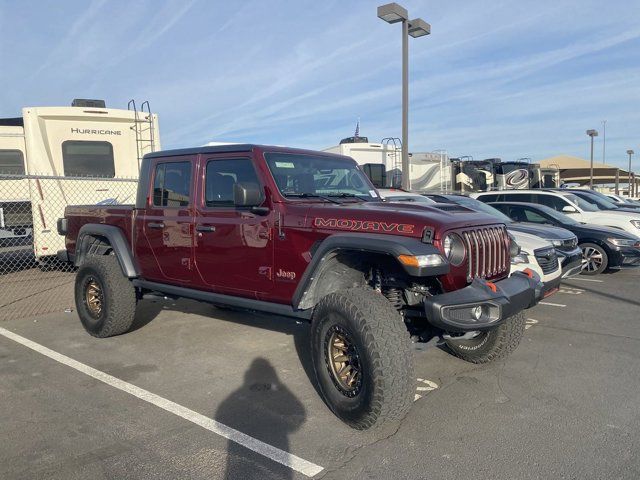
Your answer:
<point x="153" y="403"/>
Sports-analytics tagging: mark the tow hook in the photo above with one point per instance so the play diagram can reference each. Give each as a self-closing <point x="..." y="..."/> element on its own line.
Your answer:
<point x="464" y="336"/>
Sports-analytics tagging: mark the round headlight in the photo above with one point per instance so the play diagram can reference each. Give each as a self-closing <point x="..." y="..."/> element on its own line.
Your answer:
<point x="454" y="249"/>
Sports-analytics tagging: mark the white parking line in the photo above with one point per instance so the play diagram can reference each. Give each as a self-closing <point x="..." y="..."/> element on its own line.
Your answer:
<point x="553" y="304"/>
<point x="571" y="290"/>
<point x="530" y="322"/>
<point x="425" y="386"/>
<point x="586" y="280"/>
<point x="285" y="458"/>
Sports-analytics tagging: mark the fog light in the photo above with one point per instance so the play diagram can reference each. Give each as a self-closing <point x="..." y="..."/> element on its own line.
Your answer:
<point x="477" y="312"/>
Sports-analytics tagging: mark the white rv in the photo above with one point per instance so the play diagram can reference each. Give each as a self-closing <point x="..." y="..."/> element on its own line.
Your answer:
<point x="382" y="163"/>
<point x="51" y="157"/>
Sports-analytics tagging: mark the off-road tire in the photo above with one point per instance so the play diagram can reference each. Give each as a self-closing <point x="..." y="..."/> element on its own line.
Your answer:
<point x="491" y="344"/>
<point x="383" y="345"/>
<point x="118" y="297"/>
<point x="605" y="258"/>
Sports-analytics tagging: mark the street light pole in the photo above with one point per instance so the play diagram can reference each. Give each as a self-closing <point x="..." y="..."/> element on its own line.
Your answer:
<point x="630" y="152"/>
<point x="591" y="133"/>
<point x="604" y="141"/>
<point x="394" y="13"/>
<point x="406" y="174"/>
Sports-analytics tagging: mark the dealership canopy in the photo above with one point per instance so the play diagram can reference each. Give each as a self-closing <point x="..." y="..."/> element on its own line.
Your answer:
<point x="577" y="170"/>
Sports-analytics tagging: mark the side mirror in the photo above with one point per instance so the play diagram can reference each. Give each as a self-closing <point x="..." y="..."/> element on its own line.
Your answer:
<point x="247" y="195"/>
<point x="569" y="209"/>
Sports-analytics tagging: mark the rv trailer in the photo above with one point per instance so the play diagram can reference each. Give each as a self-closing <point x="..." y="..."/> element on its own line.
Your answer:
<point x="51" y="157"/>
<point x="382" y="163"/>
<point x="474" y="175"/>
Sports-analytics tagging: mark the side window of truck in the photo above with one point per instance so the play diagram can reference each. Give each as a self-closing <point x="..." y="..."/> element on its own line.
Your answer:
<point x="11" y="162"/>
<point x="221" y="178"/>
<point x="81" y="158"/>
<point x="172" y="184"/>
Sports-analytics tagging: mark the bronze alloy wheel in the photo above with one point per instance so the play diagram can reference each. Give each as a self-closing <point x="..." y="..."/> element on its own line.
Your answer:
<point x="343" y="362"/>
<point x="93" y="297"/>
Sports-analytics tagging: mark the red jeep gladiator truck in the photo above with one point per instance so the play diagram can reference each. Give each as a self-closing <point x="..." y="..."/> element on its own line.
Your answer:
<point x="304" y="234"/>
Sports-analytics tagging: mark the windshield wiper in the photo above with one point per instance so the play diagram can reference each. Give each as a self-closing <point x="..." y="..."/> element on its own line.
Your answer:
<point x="347" y="195"/>
<point x="312" y="195"/>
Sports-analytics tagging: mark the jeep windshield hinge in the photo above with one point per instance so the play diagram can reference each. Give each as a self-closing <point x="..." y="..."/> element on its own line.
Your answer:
<point x="279" y="222"/>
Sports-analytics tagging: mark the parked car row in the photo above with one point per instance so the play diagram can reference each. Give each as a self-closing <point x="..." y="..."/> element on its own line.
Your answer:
<point x="590" y="232"/>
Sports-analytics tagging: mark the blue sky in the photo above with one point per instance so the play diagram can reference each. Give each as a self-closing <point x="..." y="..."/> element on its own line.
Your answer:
<point x="503" y="79"/>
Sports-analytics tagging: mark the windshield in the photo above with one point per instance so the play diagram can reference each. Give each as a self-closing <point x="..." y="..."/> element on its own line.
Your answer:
<point x="603" y="203"/>
<point x="561" y="217"/>
<point x="580" y="202"/>
<point x="479" y="206"/>
<point x="301" y="175"/>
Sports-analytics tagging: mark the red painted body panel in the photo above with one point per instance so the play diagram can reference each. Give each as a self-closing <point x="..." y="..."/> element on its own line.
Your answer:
<point x="252" y="255"/>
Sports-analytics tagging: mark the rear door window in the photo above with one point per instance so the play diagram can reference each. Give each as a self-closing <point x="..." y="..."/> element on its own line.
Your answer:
<point x="172" y="184"/>
<point x="11" y="162"/>
<point x="81" y="158"/>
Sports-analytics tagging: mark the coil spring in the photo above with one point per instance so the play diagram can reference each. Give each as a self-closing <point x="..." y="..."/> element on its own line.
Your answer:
<point x="394" y="295"/>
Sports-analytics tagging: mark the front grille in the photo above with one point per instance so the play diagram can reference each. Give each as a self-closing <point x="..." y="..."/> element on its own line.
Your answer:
<point x="487" y="252"/>
<point x="547" y="259"/>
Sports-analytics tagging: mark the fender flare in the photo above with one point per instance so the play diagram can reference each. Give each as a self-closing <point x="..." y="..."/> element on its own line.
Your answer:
<point x="118" y="243"/>
<point x="392" y="245"/>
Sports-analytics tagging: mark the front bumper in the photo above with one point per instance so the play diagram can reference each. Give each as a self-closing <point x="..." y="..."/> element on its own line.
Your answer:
<point x="624" y="257"/>
<point x="454" y="311"/>
<point x="571" y="262"/>
<point x="552" y="286"/>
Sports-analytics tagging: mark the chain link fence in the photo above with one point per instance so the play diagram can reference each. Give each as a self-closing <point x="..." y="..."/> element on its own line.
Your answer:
<point x="32" y="279"/>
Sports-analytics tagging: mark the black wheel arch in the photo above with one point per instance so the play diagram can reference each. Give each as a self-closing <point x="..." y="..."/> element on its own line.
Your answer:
<point x="352" y="252"/>
<point x="601" y="243"/>
<point x="98" y="239"/>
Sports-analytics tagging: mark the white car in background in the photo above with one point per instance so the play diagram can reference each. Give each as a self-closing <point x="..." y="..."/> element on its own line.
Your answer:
<point x="397" y="195"/>
<point x="540" y="256"/>
<point x="569" y="204"/>
<point x="535" y="253"/>
<point x="621" y="201"/>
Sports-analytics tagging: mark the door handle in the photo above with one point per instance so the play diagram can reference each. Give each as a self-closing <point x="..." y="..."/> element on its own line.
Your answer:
<point x="155" y="225"/>
<point x="205" y="228"/>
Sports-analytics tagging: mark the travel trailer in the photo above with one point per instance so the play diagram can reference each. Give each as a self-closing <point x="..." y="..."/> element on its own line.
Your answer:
<point x="51" y="157"/>
<point x="382" y="163"/>
<point x="473" y="175"/>
<point x="436" y="172"/>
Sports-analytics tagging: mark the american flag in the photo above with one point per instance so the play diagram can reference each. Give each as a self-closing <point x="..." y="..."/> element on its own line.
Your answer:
<point x="357" y="134"/>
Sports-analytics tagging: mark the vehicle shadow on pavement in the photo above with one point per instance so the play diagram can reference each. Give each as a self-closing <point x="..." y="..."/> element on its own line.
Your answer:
<point x="609" y="295"/>
<point x="299" y="330"/>
<point x="265" y="409"/>
<point x="148" y="310"/>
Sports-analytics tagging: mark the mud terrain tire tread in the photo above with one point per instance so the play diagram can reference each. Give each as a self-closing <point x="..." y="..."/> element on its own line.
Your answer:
<point x="387" y="346"/>
<point x="497" y="343"/>
<point x="119" y="304"/>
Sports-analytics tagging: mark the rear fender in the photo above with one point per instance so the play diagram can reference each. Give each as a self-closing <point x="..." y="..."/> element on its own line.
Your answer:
<point x="116" y="241"/>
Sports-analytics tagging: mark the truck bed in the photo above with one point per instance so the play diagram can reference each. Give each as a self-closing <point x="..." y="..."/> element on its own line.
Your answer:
<point x="78" y="215"/>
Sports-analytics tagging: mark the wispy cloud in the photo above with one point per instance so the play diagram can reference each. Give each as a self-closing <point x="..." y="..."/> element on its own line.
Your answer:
<point x="493" y="78"/>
